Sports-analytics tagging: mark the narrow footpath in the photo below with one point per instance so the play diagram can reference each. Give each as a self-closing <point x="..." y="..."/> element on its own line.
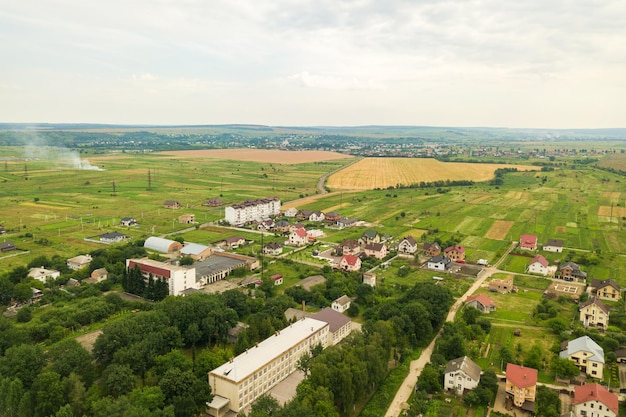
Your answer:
<point x="399" y="402"/>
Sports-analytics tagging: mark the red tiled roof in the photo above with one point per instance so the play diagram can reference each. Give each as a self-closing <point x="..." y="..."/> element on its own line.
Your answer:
<point x="458" y="248"/>
<point x="301" y="232"/>
<point x="596" y="392"/>
<point x="543" y="261"/>
<point x="351" y="259"/>
<point x="520" y="376"/>
<point x="528" y="240"/>
<point x="481" y="298"/>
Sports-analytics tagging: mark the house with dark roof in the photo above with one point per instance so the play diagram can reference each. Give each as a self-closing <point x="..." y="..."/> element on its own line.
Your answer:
<point x="408" y="245"/>
<point x="553" y="245"/>
<point x="521" y="386"/>
<point x="344" y="222"/>
<point x="234" y="242"/>
<point x="431" y="249"/>
<point x="350" y="247"/>
<point x="281" y="226"/>
<point x="528" y="242"/>
<point x="128" y="221"/>
<point x="317" y="216"/>
<point x="2" y="230"/>
<point x="340" y="325"/>
<point x="607" y="289"/>
<point x="332" y="217"/>
<point x="594" y="313"/>
<point x="461" y="375"/>
<point x="171" y="204"/>
<point x="570" y="271"/>
<point x="273" y="248"/>
<point x="439" y="263"/>
<point x="369" y="236"/>
<point x="377" y="250"/>
<point x="7" y="246"/>
<point x="586" y="354"/>
<point x="538" y="265"/>
<point x="113" y="237"/>
<point x="481" y="302"/>
<point x="455" y="253"/>
<point x="595" y="400"/>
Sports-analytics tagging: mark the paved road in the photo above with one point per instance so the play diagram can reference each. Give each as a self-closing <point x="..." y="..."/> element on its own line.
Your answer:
<point x="408" y="385"/>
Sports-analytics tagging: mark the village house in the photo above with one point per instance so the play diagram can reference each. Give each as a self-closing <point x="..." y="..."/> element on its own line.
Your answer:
<point x="113" y="237"/>
<point x="538" y="265"/>
<point x="553" y="245"/>
<point x="2" y="230"/>
<point x="521" y="386"/>
<point x="43" y="275"/>
<point x="377" y="250"/>
<point x="298" y="237"/>
<point x="233" y="242"/>
<point x="213" y="202"/>
<point x="431" y="249"/>
<point x="369" y="278"/>
<point x="295" y="227"/>
<point x="128" y="221"/>
<point x="7" y="246"/>
<point x="281" y="226"/>
<point x="341" y="304"/>
<point x="570" y="271"/>
<point x="98" y="275"/>
<point x="344" y="222"/>
<point x="503" y="286"/>
<point x="291" y="212"/>
<point x="369" y="236"/>
<point x="593" y="400"/>
<point x="606" y="289"/>
<point x="304" y="214"/>
<point x="481" y="302"/>
<point x="278" y="279"/>
<point x="187" y="218"/>
<point x="586" y="354"/>
<point x="350" y="263"/>
<point x="593" y="313"/>
<point x="528" y="242"/>
<point x="196" y="251"/>
<point x="339" y="326"/>
<point x="317" y="216"/>
<point x="273" y="248"/>
<point x="350" y="247"/>
<point x="268" y="224"/>
<point x="461" y="375"/>
<point x="332" y="217"/>
<point x="439" y="263"/>
<point x="455" y="253"/>
<point x="408" y="246"/>
<point x="171" y="204"/>
<point x="159" y="244"/>
<point x="78" y="262"/>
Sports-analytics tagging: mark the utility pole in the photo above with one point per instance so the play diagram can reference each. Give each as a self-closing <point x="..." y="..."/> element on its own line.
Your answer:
<point x="149" y="181"/>
<point x="113" y="187"/>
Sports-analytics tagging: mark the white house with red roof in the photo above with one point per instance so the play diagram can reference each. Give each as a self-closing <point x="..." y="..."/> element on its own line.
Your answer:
<point x="521" y="386"/>
<point x="594" y="400"/>
<point x="481" y="302"/>
<point x="298" y="237"/>
<point x="350" y="263"/>
<point x="528" y="242"/>
<point x="455" y="253"/>
<point x="538" y="265"/>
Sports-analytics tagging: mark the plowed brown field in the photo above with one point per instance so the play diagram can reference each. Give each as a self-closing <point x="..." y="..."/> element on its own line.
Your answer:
<point x="262" y="155"/>
<point x="370" y="173"/>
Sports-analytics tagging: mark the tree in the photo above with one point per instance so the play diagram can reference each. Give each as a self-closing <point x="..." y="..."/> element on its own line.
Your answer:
<point x="118" y="380"/>
<point x="69" y="356"/>
<point x="304" y="363"/>
<point x="430" y="380"/>
<point x="470" y="315"/>
<point x="48" y="393"/>
<point x="150" y="398"/>
<point x="24" y="362"/>
<point x="264" y="406"/>
<point x="75" y="393"/>
<point x="564" y="368"/>
<point x="547" y="402"/>
<point x="11" y="392"/>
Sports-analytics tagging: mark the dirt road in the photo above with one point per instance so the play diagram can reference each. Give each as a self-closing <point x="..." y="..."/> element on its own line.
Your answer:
<point x="399" y="402"/>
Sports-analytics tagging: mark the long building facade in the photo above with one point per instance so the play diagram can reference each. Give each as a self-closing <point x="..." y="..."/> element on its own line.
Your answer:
<point x="252" y="210"/>
<point x="240" y="381"/>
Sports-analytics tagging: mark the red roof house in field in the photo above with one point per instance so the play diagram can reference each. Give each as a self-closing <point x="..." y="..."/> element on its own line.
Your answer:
<point x="455" y="253"/>
<point x="481" y="302"/>
<point x="521" y="386"/>
<point x="591" y="398"/>
<point x="350" y="263"/>
<point x="528" y="242"/>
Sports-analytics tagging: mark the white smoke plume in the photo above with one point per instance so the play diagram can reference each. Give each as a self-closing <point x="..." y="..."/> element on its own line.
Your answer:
<point x="38" y="147"/>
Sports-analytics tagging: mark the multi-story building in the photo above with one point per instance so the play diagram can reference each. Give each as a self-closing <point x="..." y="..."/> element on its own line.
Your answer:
<point x="178" y="278"/>
<point x="461" y="374"/>
<point x="538" y="265"/>
<point x="594" y="313"/>
<point x="240" y="381"/>
<point x="593" y="400"/>
<point x="521" y="386"/>
<point x="455" y="253"/>
<point x="606" y="289"/>
<point x="586" y="354"/>
<point x="252" y="210"/>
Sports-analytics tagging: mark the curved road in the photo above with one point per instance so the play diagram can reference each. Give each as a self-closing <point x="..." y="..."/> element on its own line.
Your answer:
<point x="399" y="402"/>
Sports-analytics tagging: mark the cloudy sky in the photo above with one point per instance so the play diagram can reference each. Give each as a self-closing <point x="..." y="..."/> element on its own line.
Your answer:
<point x="521" y="63"/>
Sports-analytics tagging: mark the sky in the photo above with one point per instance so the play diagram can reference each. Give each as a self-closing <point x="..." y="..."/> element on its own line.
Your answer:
<point x="499" y="63"/>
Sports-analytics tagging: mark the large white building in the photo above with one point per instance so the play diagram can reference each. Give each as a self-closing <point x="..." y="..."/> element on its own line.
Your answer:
<point x="240" y="381"/>
<point x="179" y="278"/>
<point x="252" y="210"/>
<point x="461" y="374"/>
